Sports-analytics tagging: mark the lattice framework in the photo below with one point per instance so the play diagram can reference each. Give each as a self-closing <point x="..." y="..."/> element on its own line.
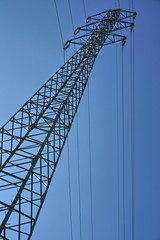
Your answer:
<point x="32" y="140"/>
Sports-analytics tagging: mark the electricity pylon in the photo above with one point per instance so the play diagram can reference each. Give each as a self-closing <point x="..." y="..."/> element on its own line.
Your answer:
<point x="32" y="140"/>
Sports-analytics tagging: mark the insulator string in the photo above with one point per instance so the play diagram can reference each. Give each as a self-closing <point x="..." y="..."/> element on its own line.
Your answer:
<point x="90" y="162"/>
<point x="79" y="180"/>
<point x="69" y="192"/>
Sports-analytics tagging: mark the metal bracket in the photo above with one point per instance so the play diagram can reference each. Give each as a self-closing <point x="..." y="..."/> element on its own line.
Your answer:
<point x="111" y="38"/>
<point x="105" y="18"/>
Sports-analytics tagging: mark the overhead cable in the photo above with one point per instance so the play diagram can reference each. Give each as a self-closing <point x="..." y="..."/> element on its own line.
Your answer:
<point x="123" y="159"/>
<point x="117" y="116"/>
<point x="72" y="22"/>
<point x="60" y="28"/>
<point x="69" y="186"/>
<point x="84" y="8"/>
<point x="71" y="15"/>
<point x="90" y="162"/>
<point x="79" y="180"/>
<point x="132" y="135"/>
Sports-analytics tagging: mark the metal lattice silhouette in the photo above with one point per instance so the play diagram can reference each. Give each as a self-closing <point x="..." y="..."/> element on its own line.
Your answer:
<point x="32" y="140"/>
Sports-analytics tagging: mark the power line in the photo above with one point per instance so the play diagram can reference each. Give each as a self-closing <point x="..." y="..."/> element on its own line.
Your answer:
<point x="71" y="15"/>
<point x="84" y="8"/>
<point x="72" y="22"/>
<point x="60" y="28"/>
<point x="90" y="162"/>
<point x="79" y="182"/>
<point x="68" y="155"/>
<point x="123" y="163"/>
<point x="69" y="185"/>
<point x="132" y="136"/>
<point x="132" y="5"/>
<point x="90" y="167"/>
<point x="56" y="94"/>
<point x="71" y="224"/>
<point x="129" y="5"/>
<point x="132" y="131"/>
<point x="117" y="113"/>
<point x="133" y="141"/>
<point x="117" y="123"/>
<point x="117" y="4"/>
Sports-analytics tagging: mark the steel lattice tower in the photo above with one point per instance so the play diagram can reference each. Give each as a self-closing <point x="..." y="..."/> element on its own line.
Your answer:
<point x="32" y="140"/>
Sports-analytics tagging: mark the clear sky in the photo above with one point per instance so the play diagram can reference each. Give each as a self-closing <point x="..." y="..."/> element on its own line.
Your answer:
<point x="31" y="51"/>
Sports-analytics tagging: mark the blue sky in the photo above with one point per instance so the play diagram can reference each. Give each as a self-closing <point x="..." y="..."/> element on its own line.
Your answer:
<point x="31" y="51"/>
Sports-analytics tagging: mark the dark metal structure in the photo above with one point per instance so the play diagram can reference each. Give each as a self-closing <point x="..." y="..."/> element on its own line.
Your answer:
<point x="32" y="140"/>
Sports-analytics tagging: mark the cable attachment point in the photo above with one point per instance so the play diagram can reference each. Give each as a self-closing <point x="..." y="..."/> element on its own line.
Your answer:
<point x="66" y="45"/>
<point x="88" y="19"/>
<point x="76" y="31"/>
<point x="135" y="15"/>
<point x="132" y="27"/>
<point x="124" y="41"/>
